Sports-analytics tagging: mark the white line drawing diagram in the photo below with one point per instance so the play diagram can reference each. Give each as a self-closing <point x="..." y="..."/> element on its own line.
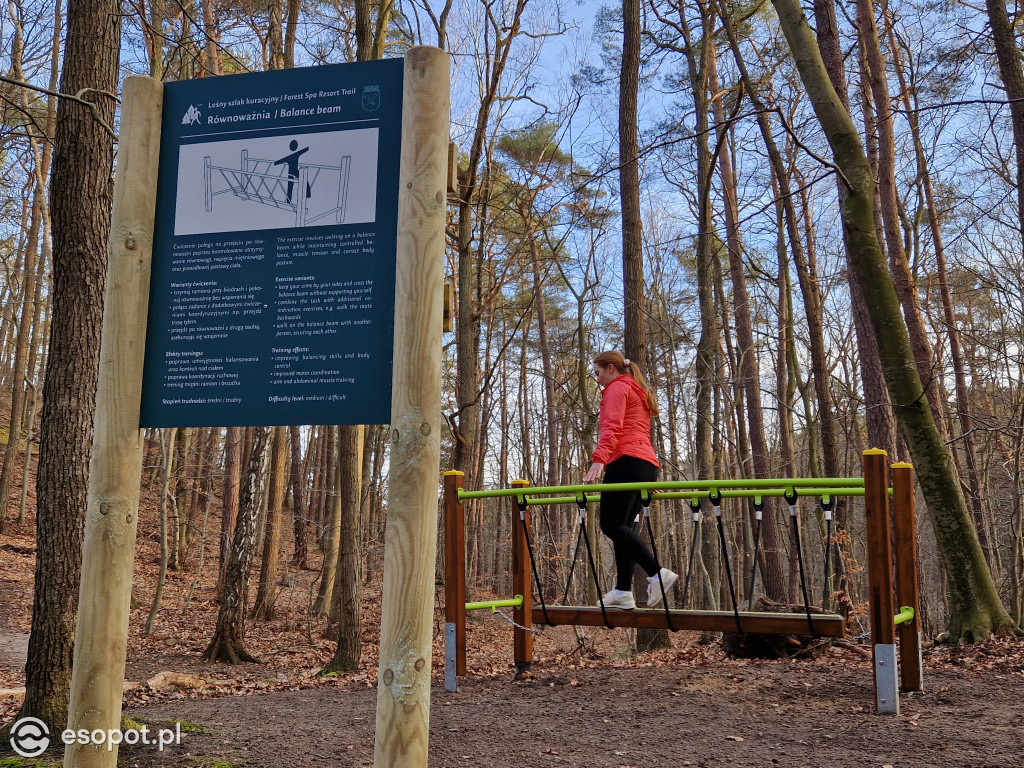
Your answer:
<point x="306" y="179"/>
<point x="261" y="181"/>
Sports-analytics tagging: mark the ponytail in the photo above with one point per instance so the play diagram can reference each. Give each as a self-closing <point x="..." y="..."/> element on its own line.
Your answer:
<point x="627" y="367"/>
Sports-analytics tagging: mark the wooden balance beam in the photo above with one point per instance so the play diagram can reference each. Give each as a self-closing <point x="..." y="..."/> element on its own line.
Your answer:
<point x="710" y="621"/>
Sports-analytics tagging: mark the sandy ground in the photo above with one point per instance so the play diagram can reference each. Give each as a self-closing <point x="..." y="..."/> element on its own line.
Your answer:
<point x="723" y="713"/>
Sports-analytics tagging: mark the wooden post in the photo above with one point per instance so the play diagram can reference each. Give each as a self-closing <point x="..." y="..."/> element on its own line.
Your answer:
<point x="522" y="639"/>
<point x="115" y="470"/>
<point x="881" y="606"/>
<point x="410" y="541"/>
<point x="905" y="534"/>
<point x="454" y="580"/>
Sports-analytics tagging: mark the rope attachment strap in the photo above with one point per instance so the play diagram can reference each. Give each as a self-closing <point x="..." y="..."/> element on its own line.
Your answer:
<point x="521" y="502"/>
<point x="759" y="513"/>
<point x="715" y="497"/>
<point x="581" y="505"/>
<point x="695" y="508"/>
<point x="645" y="501"/>
<point x="827" y="504"/>
<point x="791" y="496"/>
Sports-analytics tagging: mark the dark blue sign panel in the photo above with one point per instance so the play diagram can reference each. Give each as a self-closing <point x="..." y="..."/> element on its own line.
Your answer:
<point x="273" y="283"/>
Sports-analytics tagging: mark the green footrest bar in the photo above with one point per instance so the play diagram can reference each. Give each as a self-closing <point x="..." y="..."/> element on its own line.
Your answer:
<point x="494" y="605"/>
<point x="906" y="614"/>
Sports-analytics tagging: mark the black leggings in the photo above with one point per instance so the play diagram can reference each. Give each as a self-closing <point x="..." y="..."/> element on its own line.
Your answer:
<point x="618" y="510"/>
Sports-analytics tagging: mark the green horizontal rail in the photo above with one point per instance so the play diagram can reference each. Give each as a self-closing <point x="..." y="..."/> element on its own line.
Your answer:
<point x="734" y="494"/>
<point x="494" y="605"/>
<point x="906" y="614"/>
<point x="798" y="483"/>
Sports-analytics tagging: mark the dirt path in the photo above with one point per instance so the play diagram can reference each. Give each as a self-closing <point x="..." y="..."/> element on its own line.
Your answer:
<point x="13" y="649"/>
<point x="726" y="713"/>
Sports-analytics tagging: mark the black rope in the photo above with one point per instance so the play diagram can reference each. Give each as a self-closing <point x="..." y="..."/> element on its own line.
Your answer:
<point x="759" y="510"/>
<point x="791" y="496"/>
<point x="572" y="565"/>
<point x="581" y="503"/>
<point x="715" y="497"/>
<point x="645" y="500"/>
<point x="521" y="502"/>
<point x="695" y="507"/>
<point x="826" y="592"/>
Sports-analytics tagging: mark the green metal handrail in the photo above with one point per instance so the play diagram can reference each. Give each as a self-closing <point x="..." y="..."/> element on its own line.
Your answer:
<point x="820" y="486"/>
<point x="734" y="494"/>
<point x="494" y="605"/>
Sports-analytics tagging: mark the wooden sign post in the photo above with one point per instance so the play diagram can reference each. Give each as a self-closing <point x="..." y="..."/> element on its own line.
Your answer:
<point x="111" y="518"/>
<point x="410" y="541"/>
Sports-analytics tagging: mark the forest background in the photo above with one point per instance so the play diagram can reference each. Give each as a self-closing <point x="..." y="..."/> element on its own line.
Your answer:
<point x="655" y="177"/>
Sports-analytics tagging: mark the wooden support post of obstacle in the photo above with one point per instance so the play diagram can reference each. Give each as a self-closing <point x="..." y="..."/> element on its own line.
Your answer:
<point x="522" y="639"/>
<point x="880" y="586"/>
<point x="905" y="536"/>
<point x="111" y="516"/>
<point x="410" y="541"/>
<point x="454" y="581"/>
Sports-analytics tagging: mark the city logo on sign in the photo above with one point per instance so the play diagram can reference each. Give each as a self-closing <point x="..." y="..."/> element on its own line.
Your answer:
<point x="191" y="116"/>
<point x="371" y="98"/>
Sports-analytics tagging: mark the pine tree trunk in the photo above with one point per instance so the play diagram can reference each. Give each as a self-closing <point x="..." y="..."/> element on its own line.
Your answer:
<point x="166" y="501"/>
<point x="974" y="602"/>
<point x="332" y="532"/>
<point x="28" y="289"/>
<point x="878" y="411"/>
<point x="80" y="202"/>
<point x="298" y="478"/>
<point x="963" y="395"/>
<point x="1012" y="74"/>
<point x="345" y="610"/>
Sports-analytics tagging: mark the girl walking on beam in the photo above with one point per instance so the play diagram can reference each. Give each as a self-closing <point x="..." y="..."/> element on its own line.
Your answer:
<point x="624" y="454"/>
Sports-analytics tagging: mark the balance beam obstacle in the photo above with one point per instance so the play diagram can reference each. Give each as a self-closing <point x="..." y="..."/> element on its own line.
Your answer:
<point x="708" y="621"/>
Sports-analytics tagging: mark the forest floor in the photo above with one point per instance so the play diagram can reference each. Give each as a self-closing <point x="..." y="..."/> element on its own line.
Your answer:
<point x="589" y="700"/>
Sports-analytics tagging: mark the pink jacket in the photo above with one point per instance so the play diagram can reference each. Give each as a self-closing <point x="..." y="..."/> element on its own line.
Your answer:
<point x="625" y="423"/>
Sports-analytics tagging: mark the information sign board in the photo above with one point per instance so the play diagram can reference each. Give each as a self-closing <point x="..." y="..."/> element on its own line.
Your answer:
<point x="273" y="281"/>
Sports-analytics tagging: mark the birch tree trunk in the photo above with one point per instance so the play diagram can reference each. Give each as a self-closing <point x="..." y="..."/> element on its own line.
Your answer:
<point x="266" y="593"/>
<point x="229" y="499"/>
<point x="228" y="641"/>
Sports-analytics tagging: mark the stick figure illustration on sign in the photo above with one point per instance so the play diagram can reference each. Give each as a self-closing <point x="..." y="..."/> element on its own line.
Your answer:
<point x="292" y="162"/>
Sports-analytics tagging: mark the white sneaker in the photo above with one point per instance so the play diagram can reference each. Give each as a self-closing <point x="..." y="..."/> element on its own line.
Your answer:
<point x="619" y="599"/>
<point x="668" y="578"/>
